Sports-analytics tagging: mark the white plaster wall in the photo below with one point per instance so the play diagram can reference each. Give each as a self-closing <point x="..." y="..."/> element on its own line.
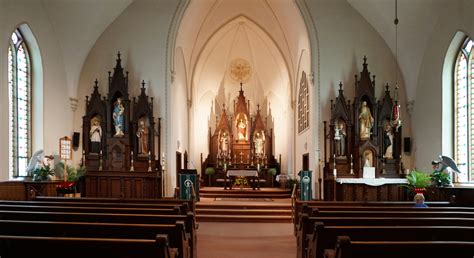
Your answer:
<point x="57" y="119"/>
<point x="140" y="34"/>
<point x="428" y="112"/>
<point x="344" y="37"/>
<point x="179" y="110"/>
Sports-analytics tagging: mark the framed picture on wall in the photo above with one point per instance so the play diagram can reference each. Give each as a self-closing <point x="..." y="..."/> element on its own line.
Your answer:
<point x="65" y="148"/>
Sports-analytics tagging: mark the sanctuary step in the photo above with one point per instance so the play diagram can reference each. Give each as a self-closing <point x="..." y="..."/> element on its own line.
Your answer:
<point x="236" y="192"/>
<point x="243" y="210"/>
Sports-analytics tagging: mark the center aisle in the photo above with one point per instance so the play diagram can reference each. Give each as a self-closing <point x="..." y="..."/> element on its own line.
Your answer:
<point x="243" y="223"/>
<point x="248" y="240"/>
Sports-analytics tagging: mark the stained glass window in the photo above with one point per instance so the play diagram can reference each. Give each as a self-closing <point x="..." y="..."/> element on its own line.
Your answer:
<point x="303" y="104"/>
<point x="19" y="104"/>
<point x="464" y="111"/>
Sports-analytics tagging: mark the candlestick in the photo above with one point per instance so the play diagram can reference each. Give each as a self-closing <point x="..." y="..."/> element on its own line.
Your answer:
<point x="149" y="161"/>
<point x="352" y="166"/>
<point x="100" y="160"/>
<point x="131" y="162"/>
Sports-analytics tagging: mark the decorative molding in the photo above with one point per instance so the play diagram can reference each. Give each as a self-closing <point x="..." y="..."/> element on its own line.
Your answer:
<point x="73" y="102"/>
<point x="173" y="76"/>
<point x="410" y="107"/>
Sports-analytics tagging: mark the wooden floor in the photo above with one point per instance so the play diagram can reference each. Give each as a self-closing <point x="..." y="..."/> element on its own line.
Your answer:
<point x="248" y="240"/>
<point x="236" y="224"/>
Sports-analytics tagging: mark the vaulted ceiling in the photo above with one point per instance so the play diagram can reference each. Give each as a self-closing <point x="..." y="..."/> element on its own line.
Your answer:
<point x="79" y="23"/>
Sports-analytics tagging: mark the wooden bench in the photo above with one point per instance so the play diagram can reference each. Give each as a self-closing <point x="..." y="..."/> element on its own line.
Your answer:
<point x="325" y="237"/>
<point x="306" y="226"/>
<point x="176" y="233"/>
<point x="191" y="204"/>
<point x="74" y="247"/>
<point x="88" y="209"/>
<point x="307" y="206"/>
<point x="346" y="248"/>
<point x="108" y="218"/>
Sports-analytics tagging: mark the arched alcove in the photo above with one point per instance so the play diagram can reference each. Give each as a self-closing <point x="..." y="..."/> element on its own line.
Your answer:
<point x="271" y="36"/>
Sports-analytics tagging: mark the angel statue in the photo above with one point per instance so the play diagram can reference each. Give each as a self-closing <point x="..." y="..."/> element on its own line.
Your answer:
<point x="441" y="175"/>
<point x="39" y="160"/>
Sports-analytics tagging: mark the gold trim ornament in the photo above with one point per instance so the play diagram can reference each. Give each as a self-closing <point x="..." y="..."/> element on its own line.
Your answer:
<point x="240" y="70"/>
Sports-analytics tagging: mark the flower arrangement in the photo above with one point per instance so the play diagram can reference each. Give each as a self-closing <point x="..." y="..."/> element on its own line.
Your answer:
<point x="66" y="187"/>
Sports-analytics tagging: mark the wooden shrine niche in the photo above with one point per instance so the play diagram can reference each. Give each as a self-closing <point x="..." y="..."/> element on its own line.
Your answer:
<point x="362" y="133"/>
<point x="116" y="135"/>
<point x="240" y="140"/>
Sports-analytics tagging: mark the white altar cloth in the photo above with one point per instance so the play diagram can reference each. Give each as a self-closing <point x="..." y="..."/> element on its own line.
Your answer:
<point x="372" y="181"/>
<point x="242" y="172"/>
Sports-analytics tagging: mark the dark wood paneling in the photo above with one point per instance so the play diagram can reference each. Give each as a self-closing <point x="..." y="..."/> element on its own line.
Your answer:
<point x="12" y="191"/>
<point x="362" y="192"/>
<point x="123" y="184"/>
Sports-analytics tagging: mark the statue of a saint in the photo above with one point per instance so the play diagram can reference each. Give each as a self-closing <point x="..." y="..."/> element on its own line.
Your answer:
<point x="259" y="142"/>
<point x="142" y="134"/>
<point x="368" y="159"/>
<point x="118" y="117"/>
<point x="366" y="121"/>
<point x="388" y="141"/>
<point x="95" y="135"/>
<point x="224" y="144"/>
<point x="242" y="129"/>
<point x="340" y="140"/>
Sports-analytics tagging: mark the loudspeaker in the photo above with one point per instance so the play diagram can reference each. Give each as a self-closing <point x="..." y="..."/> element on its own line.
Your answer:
<point x="75" y="140"/>
<point x="407" y="144"/>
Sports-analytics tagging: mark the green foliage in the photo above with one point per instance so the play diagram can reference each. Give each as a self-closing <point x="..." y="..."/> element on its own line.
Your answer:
<point x="210" y="171"/>
<point x="272" y="171"/>
<point x="42" y="173"/>
<point x="418" y="179"/>
<point x="73" y="174"/>
<point x="292" y="182"/>
<point x="440" y="179"/>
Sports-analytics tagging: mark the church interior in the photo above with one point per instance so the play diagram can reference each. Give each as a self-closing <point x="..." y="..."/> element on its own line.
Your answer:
<point x="237" y="128"/>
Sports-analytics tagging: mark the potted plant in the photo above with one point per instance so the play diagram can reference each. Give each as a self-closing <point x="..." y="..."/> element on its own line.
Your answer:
<point x="209" y="172"/>
<point x="69" y="187"/>
<point x="418" y="181"/>
<point x="43" y="173"/>
<point x="272" y="172"/>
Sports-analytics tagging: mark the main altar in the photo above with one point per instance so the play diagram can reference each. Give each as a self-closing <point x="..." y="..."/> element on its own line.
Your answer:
<point x="119" y="142"/>
<point x="363" y="145"/>
<point x="241" y="141"/>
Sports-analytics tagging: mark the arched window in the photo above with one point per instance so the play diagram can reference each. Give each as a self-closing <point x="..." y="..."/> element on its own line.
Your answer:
<point x="464" y="110"/>
<point x="19" y="89"/>
<point x="303" y="104"/>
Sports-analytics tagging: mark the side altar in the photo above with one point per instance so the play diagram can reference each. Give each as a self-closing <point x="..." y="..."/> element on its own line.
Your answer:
<point x="119" y="142"/>
<point x="241" y="141"/>
<point x="363" y="145"/>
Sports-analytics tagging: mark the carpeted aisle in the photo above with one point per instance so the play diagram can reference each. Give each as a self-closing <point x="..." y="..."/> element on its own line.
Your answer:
<point x="247" y="240"/>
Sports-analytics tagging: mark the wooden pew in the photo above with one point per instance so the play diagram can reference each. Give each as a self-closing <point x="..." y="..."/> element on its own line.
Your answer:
<point x="307" y="206"/>
<point x="176" y="233"/>
<point x="73" y="247"/>
<point x="108" y="218"/>
<point x="87" y="209"/>
<point x="184" y="207"/>
<point x="306" y="226"/>
<point x="191" y="203"/>
<point x="346" y="248"/>
<point x="325" y="237"/>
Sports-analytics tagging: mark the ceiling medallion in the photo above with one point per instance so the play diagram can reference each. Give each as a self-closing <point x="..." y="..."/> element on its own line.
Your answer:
<point x="240" y="70"/>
